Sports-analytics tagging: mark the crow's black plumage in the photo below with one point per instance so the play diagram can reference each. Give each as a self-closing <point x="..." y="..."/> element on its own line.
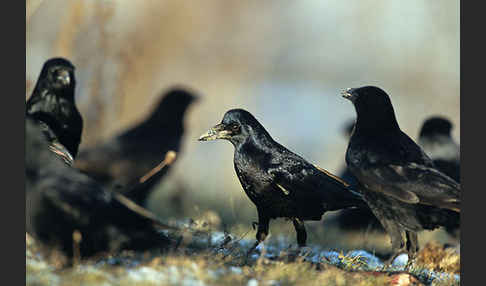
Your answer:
<point x="127" y="156"/>
<point x="400" y="182"/>
<point x="436" y="140"/>
<point x="279" y="182"/>
<point x="345" y="174"/>
<point x="52" y="104"/>
<point x="61" y="200"/>
<point x="354" y="218"/>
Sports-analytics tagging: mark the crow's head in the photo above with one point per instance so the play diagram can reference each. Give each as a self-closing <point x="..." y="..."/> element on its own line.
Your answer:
<point x="57" y="75"/>
<point x="436" y="126"/>
<point x="237" y="126"/>
<point x="373" y="108"/>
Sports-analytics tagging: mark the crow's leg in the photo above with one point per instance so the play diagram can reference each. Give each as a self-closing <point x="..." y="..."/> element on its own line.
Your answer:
<point x="396" y="237"/>
<point x="392" y="229"/>
<point x="397" y="241"/>
<point x="301" y="233"/>
<point x="412" y="245"/>
<point x="262" y="232"/>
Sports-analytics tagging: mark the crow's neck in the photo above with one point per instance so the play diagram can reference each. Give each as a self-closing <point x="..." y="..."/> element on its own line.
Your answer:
<point x="261" y="142"/>
<point x="376" y="122"/>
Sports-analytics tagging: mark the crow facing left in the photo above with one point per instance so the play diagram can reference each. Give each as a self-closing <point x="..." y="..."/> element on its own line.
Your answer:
<point x="52" y="105"/>
<point x="400" y="183"/>
<point x="279" y="182"/>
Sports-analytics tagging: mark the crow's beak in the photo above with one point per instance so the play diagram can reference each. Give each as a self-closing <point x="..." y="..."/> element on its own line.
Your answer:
<point x="348" y="93"/>
<point x="64" y="77"/>
<point x="217" y="132"/>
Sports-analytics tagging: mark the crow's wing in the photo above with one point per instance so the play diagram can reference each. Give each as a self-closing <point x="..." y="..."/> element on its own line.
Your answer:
<point x="303" y="180"/>
<point x="414" y="183"/>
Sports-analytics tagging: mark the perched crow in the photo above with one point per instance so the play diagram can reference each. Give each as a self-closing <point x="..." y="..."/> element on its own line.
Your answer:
<point x="61" y="200"/>
<point x="354" y="218"/>
<point x="279" y="182"/>
<point x="52" y="104"/>
<point x="400" y="182"/>
<point x="436" y="141"/>
<point x="126" y="157"/>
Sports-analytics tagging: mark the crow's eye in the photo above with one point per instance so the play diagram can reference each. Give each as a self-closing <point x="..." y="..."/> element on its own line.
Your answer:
<point x="235" y="127"/>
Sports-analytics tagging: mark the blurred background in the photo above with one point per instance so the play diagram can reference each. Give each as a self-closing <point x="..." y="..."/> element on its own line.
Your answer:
<point x="284" y="61"/>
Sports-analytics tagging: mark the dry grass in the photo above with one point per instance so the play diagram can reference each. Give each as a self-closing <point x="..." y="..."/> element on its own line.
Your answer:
<point x="435" y="257"/>
<point x="202" y="260"/>
<point x="203" y="269"/>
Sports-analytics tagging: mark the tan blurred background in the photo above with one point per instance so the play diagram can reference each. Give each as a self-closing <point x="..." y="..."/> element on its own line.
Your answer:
<point x="284" y="61"/>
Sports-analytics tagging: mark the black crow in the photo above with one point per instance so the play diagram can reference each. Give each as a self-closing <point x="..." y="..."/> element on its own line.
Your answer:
<point x="354" y="218"/>
<point x="279" y="182"/>
<point x="400" y="183"/>
<point x="436" y="140"/>
<point x="52" y="104"/>
<point x="126" y="157"/>
<point x="61" y="200"/>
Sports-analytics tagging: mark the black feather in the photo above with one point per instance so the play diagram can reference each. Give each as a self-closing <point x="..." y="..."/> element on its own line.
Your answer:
<point x="355" y="218"/>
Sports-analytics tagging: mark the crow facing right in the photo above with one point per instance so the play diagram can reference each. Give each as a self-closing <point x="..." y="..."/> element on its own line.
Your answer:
<point x="279" y="182"/>
<point x="124" y="158"/>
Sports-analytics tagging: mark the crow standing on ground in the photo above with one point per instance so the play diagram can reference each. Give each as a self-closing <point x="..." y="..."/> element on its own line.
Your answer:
<point x="279" y="182"/>
<point x="400" y="182"/>
<point x="52" y="105"/>
<point x="61" y="200"/>
<point x="436" y="140"/>
<point x="126" y="157"/>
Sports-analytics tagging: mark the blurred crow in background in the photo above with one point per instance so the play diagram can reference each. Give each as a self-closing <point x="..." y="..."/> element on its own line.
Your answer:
<point x="279" y="182"/>
<point x="52" y="105"/>
<point x="400" y="183"/>
<point x="123" y="159"/>
<point x="60" y="200"/>
<point x="436" y="140"/>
